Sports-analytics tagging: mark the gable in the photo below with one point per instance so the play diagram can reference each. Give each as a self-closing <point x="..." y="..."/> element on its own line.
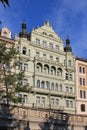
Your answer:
<point x="47" y="30"/>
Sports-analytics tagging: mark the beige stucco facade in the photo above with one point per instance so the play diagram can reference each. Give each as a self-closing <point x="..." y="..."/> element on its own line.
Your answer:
<point x="49" y="70"/>
<point x="55" y="77"/>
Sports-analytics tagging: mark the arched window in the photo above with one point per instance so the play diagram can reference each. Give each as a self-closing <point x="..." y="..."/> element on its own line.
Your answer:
<point x="59" y="72"/>
<point x="42" y="84"/>
<point x="38" y="83"/>
<point x="46" y="69"/>
<point x="53" y="70"/>
<point x="70" y="77"/>
<point x="39" y="67"/>
<point x="80" y="69"/>
<point x="24" y="50"/>
<point x="52" y="86"/>
<point x="61" y="88"/>
<point x="83" y="70"/>
<point x="83" y="107"/>
<point x="56" y="87"/>
<point x="47" y="84"/>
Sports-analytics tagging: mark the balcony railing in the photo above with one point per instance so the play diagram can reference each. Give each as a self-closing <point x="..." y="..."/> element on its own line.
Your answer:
<point x="54" y="92"/>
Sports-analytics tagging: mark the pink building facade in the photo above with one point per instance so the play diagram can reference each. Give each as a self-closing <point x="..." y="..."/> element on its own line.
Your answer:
<point x="81" y="86"/>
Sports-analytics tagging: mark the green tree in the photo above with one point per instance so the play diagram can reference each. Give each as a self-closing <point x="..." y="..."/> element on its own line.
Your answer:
<point x="4" y="2"/>
<point x="11" y="79"/>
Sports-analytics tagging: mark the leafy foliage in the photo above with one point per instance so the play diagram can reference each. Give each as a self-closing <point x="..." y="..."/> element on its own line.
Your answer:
<point x="5" y="2"/>
<point x="11" y="80"/>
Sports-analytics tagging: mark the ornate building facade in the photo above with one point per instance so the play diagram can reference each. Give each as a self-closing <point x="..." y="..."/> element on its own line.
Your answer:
<point x="49" y="69"/>
<point x="57" y="80"/>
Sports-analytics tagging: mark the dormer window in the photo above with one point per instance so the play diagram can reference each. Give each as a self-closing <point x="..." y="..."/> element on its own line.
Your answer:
<point x="24" y="50"/>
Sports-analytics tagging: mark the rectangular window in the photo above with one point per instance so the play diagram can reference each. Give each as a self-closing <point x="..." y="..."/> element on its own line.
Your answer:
<point x="71" y="90"/>
<point x="80" y="81"/>
<point x="61" y="87"/>
<point x="20" y="67"/>
<point x="80" y="93"/>
<point x="66" y="76"/>
<point x="67" y="103"/>
<point x="37" y="41"/>
<point x="83" y="70"/>
<point x="44" y="43"/>
<point x="80" y="69"/>
<point x="51" y="58"/>
<point x="70" y="77"/>
<point x="44" y="55"/>
<point x="71" y="104"/>
<point x="50" y="45"/>
<point x="25" y="98"/>
<point x="37" y="54"/>
<point x="38" y="100"/>
<point x="67" y="89"/>
<point x="25" y="67"/>
<point x="83" y="82"/>
<point x="57" y="47"/>
<point x="57" y="59"/>
<point x="64" y="62"/>
<point x="84" y="94"/>
<point x="25" y="81"/>
<point x="57" y="101"/>
<point x="52" y="101"/>
<point x="43" y="100"/>
<point x="29" y="52"/>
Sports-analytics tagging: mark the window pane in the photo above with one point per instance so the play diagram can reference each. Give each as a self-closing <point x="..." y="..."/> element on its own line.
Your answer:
<point x="26" y="67"/>
<point x="57" y="47"/>
<point x="25" y="98"/>
<point x="38" y="100"/>
<point x="37" y="41"/>
<point x="50" y="45"/>
<point x="66" y="76"/>
<point x="67" y="103"/>
<point x="24" y="50"/>
<point x="80" y="93"/>
<point x="80" y="81"/>
<point x="83" y="82"/>
<point x="82" y="107"/>
<point x="38" y="83"/>
<point x="44" y="43"/>
<point x="43" y="100"/>
<point x="84" y="94"/>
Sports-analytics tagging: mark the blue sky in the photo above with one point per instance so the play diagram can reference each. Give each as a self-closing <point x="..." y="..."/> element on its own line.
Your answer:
<point x="68" y="18"/>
